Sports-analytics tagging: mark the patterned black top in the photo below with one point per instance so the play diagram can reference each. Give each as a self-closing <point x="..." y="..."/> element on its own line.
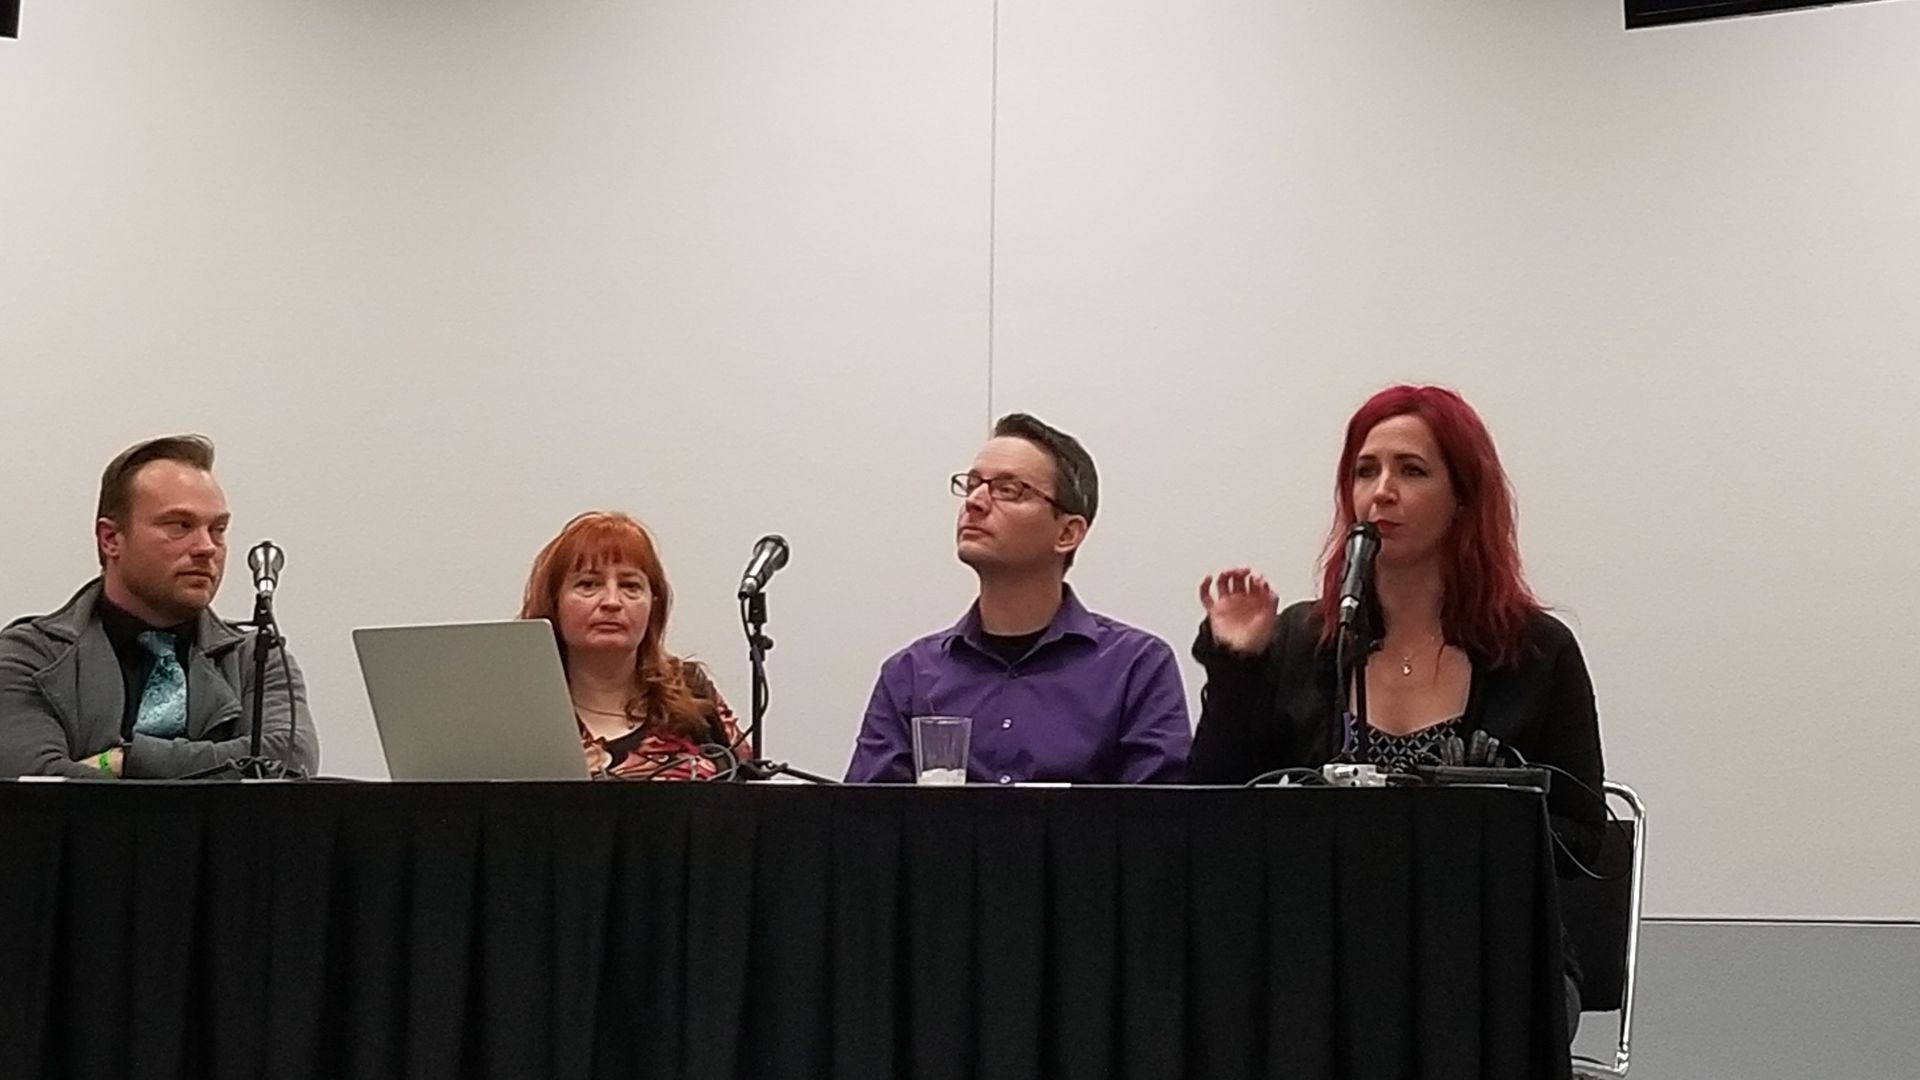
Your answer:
<point x="1400" y="753"/>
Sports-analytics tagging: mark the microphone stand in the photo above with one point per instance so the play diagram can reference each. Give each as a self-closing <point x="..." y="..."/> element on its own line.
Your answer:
<point x="753" y="618"/>
<point x="266" y="638"/>
<point x="758" y="645"/>
<point x="1352" y="644"/>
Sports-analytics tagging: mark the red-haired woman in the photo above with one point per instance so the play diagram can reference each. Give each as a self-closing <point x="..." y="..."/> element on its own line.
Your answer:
<point x="644" y="714"/>
<point x="1462" y="646"/>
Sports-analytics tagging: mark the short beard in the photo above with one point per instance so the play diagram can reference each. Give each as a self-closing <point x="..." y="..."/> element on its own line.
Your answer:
<point x="163" y="603"/>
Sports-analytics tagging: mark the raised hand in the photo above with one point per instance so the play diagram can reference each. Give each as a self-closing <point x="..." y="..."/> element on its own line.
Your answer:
<point x="1242" y="609"/>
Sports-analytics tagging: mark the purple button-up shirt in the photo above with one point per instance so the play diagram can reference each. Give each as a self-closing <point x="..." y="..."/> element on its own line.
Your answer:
<point x="1095" y="701"/>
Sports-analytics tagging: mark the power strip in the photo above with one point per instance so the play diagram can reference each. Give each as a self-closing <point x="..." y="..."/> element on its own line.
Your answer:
<point x="1528" y="776"/>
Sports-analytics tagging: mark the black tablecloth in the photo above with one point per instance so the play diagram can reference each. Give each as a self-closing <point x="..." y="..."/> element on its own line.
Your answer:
<point x="529" y="930"/>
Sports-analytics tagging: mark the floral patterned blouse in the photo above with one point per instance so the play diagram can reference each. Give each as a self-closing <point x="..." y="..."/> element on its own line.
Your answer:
<point x="647" y="753"/>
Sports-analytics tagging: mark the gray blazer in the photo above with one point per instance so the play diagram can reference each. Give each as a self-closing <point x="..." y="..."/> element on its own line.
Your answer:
<point x="62" y="698"/>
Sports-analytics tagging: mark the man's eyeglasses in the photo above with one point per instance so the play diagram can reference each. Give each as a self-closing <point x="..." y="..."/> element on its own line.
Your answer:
<point x="1001" y="489"/>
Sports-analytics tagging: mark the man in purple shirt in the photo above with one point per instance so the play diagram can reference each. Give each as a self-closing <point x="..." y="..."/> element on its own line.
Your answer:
<point x="1056" y="692"/>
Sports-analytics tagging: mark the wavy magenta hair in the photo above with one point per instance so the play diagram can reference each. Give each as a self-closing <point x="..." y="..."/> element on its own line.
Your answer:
<point x="1487" y="604"/>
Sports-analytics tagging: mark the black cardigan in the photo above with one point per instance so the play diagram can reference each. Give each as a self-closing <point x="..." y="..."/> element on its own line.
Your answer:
<point x="1275" y="711"/>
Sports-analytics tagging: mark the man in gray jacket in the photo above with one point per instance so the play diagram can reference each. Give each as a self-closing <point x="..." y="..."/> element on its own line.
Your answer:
<point x="136" y="676"/>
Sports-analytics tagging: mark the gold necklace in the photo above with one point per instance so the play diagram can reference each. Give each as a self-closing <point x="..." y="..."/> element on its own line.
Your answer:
<point x="1406" y="658"/>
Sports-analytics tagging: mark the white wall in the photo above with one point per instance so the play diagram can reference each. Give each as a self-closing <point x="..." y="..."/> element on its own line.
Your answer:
<point x="1676" y="270"/>
<point x="438" y="275"/>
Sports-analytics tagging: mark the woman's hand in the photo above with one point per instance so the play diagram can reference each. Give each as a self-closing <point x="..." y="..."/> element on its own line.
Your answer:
<point x="1242" y="609"/>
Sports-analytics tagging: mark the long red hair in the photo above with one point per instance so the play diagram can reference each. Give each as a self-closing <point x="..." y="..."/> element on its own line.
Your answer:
<point x="596" y="539"/>
<point x="1487" y="604"/>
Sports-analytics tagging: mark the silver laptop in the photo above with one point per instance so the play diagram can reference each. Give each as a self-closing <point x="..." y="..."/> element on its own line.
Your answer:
<point x="471" y="701"/>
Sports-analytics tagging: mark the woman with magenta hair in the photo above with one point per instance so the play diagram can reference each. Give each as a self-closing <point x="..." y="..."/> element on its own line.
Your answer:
<point x="1461" y="646"/>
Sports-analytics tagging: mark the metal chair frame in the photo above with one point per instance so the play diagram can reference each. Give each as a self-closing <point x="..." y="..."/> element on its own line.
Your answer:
<point x="1585" y="1067"/>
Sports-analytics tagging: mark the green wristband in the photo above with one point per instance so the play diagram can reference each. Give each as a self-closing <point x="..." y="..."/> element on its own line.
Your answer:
<point x="105" y="762"/>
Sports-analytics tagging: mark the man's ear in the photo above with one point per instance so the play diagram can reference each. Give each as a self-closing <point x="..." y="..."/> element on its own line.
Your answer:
<point x="1073" y="533"/>
<point x="107" y="537"/>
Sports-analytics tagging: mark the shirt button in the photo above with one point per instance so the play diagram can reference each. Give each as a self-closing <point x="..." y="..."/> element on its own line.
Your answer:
<point x="1006" y="779"/>
<point x="1007" y="723"/>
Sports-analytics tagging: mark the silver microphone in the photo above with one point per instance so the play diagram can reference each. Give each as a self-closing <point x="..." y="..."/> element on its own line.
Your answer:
<point x="769" y="554"/>
<point x="266" y="561"/>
